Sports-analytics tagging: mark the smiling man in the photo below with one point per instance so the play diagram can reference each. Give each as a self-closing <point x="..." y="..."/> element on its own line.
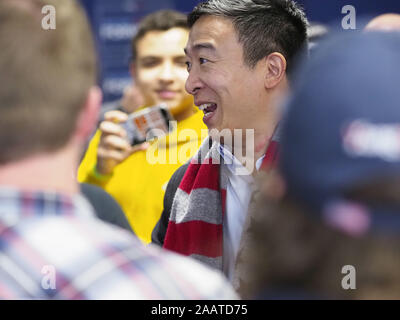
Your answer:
<point x="159" y="73"/>
<point x="238" y="57"/>
<point x="52" y="244"/>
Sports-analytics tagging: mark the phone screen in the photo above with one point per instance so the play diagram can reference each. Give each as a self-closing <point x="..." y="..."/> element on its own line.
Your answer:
<point x="141" y="125"/>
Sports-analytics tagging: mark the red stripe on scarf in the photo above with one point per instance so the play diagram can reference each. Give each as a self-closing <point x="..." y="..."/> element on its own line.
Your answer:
<point x="210" y="235"/>
<point x="271" y="157"/>
<point x="197" y="236"/>
<point x="200" y="176"/>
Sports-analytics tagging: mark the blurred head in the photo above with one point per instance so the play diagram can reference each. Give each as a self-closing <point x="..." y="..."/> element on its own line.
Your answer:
<point x="385" y="22"/>
<point x="47" y="78"/>
<point x="238" y="53"/>
<point x="336" y="201"/>
<point x="158" y="66"/>
<point x="356" y="117"/>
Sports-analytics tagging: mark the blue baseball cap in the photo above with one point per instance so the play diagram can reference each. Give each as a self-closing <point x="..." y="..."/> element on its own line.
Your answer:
<point x="342" y="121"/>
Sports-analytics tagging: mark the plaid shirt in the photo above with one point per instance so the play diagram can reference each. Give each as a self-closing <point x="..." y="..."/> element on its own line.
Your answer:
<point x="52" y="246"/>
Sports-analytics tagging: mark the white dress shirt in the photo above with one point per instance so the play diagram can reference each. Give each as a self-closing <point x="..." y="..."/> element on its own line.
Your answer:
<point x="238" y="195"/>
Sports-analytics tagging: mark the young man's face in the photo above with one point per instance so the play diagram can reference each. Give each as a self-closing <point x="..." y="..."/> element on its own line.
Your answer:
<point x="219" y="76"/>
<point x="160" y="71"/>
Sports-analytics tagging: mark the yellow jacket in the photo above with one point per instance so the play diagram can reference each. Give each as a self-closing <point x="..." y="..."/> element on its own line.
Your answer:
<point x="138" y="183"/>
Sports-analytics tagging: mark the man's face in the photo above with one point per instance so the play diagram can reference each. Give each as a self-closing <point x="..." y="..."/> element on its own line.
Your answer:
<point x="219" y="78"/>
<point x="160" y="71"/>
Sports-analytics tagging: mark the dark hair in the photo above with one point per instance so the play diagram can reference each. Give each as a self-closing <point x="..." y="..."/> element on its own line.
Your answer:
<point x="162" y="20"/>
<point x="263" y="26"/>
<point x="291" y="250"/>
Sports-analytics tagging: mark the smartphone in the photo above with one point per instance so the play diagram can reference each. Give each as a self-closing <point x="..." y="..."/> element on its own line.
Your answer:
<point x="146" y="124"/>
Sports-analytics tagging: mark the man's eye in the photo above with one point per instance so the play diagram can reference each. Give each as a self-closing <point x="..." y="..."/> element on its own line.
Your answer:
<point x="188" y="65"/>
<point x="202" y="60"/>
<point x="149" y="63"/>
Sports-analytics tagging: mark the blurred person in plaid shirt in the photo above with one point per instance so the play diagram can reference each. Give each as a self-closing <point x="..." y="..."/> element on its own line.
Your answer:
<point x="51" y="243"/>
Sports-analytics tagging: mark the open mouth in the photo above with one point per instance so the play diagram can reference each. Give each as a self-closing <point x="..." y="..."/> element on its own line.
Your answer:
<point x="208" y="108"/>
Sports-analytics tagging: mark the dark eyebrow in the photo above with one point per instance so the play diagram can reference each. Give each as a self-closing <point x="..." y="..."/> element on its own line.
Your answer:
<point x="199" y="46"/>
<point x="149" y="57"/>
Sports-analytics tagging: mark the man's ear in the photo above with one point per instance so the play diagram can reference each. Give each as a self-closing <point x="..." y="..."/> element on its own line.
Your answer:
<point x="275" y="69"/>
<point x="89" y="115"/>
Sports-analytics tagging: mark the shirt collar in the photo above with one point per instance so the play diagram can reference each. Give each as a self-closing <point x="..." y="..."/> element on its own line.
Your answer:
<point x="233" y="164"/>
<point x="259" y="162"/>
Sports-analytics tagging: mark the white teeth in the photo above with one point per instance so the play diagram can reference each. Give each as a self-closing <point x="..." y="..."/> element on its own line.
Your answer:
<point x="204" y="106"/>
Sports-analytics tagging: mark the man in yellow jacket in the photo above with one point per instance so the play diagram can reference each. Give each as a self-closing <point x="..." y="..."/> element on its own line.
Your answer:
<point x="137" y="176"/>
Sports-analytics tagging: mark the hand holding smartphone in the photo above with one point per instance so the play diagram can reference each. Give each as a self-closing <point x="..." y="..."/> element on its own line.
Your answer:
<point x="145" y="124"/>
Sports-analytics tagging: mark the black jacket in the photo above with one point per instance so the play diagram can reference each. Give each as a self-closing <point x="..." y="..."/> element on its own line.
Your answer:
<point x="105" y="207"/>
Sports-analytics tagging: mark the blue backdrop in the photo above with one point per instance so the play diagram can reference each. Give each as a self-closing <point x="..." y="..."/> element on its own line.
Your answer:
<point x="114" y="24"/>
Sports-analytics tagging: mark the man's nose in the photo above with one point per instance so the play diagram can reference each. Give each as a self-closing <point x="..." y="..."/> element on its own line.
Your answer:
<point x="193" y="83"/>
<point x="167" y="72"/>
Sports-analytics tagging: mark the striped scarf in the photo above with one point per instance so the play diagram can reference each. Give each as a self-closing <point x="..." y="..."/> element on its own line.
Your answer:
<point x="195" y="227"/>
